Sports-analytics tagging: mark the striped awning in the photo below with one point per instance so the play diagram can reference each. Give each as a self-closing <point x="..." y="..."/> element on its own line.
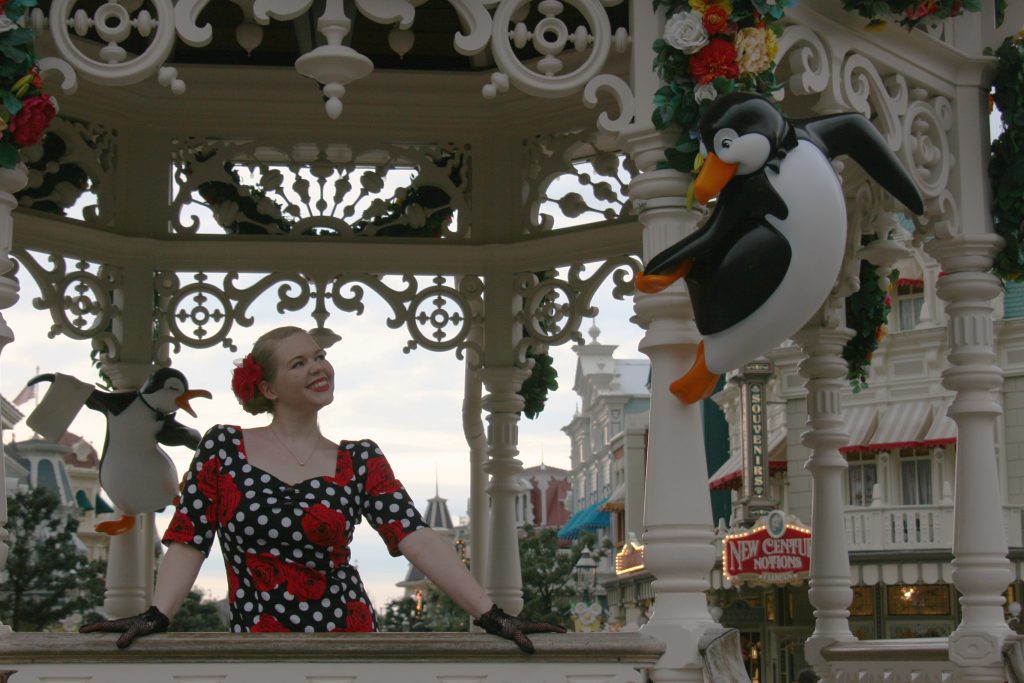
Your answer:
<point x="730" y="474"/>
<point x="859" y="423"/>
<point x="943" y="429"/>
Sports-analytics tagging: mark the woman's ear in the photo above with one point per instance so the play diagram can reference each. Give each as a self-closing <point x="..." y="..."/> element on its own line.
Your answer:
<point x="268" y="393"/>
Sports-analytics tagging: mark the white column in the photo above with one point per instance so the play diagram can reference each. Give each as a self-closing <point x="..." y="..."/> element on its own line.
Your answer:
<point x="981" y="570"/>
<point x="678" y="539"/>
<point x="11" y="181"/>
<point x="129" y="583"/>
<point x="830" y="592"/>
<point x="504" y="582"/>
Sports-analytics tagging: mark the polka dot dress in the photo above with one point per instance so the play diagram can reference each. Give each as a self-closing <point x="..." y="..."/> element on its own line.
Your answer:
<point x="286" y="547"/>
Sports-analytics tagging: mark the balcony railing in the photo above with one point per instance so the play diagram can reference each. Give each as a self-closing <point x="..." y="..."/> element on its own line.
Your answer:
<point x="914" y="527"/>
<point x="325" y="658"/>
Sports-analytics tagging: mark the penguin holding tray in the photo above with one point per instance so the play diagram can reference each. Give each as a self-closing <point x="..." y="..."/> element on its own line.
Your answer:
<point x="134" y="471"/>
<point x="769" y="254"/>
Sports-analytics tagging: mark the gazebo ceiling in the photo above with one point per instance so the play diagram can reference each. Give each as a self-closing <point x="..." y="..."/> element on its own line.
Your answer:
<point x="280" y="43"/>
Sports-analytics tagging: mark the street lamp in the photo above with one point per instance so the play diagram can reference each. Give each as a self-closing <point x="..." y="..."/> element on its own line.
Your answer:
<point x="587" y="613"/>
<point x="585" y="572"/>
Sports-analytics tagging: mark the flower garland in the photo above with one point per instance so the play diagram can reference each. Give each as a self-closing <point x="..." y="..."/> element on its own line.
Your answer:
<point x="25" y="110"/>
<point x="909" y="13"/>
<point x="709" y="48"/>
<point x="867" y="311"/>
<point x="1006" y="164"/>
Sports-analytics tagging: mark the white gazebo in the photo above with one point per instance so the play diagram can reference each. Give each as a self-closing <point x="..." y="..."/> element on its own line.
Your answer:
<point x="293" y="121"/>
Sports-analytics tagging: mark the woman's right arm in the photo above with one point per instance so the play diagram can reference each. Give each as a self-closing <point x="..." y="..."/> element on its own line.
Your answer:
<point x="178" y="571"/>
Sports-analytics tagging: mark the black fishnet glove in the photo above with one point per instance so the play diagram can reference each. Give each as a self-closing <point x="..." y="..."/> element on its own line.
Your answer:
<point x="130" y="628"/>
<point x="515" y="629"/>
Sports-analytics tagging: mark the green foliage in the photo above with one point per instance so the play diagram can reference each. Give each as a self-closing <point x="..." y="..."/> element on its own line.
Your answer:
<point x="47" y="577"/>
<point x="440" y="613"/>
<point x="543" y="378"/>
<point x="19" y="78"/>
<point x="1006" y="164"/>
<point x="911" y="12"/>
<point x="867" y="310"/>
<point x="548" y="592"/>
<point x="197" y="614"/>
<point x="675" y="103"/>
<point x="401" y="615"/>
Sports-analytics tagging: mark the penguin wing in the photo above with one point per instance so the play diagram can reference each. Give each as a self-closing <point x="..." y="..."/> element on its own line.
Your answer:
<point x="47" y="377"/>
<point x="173" y="433"/>
<point x="110" y="403"/>
<point x="854" y="135"/>
<point x="743" y="204"/>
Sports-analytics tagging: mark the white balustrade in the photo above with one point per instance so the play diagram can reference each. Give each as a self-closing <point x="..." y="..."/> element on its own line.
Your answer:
<point x="914" y="527"/>
<point x="327" y="658"/>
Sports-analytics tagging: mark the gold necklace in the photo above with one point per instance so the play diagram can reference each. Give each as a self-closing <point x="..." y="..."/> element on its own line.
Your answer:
<point x="302" y="463"/>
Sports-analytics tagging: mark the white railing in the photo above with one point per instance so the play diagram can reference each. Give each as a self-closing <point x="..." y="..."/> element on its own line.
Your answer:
<point x="913" y="527"/>
<point x="325" y="658"/>
<point x="921" y="660"/>
<point x="913" y="660"/>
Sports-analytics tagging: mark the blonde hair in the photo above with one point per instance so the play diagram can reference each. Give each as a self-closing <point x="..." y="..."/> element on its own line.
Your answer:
<point x="264" y="354"/>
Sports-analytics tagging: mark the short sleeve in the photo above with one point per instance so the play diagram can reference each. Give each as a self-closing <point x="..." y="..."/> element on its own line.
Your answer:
<point x="195" y="518"/>
<point x="386" y="504"/>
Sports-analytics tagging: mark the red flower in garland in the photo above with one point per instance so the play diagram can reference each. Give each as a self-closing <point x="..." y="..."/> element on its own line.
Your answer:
<point x="245" y="378"/>
<point x="28" y="125"/>
<point x="717" y="58"/>
<point x="921" y="9"/>
<point x="716" y="19"/>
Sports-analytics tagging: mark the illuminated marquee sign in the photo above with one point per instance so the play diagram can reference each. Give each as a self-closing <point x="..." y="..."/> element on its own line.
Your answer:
<point x="629" y="559"/>
<point x="772" y="552"/>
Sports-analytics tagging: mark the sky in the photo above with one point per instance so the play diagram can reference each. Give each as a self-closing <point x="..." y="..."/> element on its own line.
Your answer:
<point x="410" y="404"/>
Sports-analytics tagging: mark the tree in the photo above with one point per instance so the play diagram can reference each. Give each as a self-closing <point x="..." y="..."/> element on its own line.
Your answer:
<point x="47" y="577"/>
<point x="547" y="570"/>
<point x="440" y="613"/>
<point x="198" y="614"/>
<point x="402" y="615"/>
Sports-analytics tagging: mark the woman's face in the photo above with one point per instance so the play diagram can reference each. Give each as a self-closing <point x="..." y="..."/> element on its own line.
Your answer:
<point x="304" y="377"/>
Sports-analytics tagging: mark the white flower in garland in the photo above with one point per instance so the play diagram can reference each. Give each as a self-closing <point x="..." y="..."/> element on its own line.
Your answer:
<point x="705" y="91"/>
<point x="6" y="24"/>
<point x="685" y="32"/>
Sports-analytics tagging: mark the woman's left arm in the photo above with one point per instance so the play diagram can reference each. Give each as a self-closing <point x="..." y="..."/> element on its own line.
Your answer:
<point x="435" y="557"/>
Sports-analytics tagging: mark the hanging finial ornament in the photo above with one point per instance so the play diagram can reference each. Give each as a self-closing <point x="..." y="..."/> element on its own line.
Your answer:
<point x="333" y="65"/>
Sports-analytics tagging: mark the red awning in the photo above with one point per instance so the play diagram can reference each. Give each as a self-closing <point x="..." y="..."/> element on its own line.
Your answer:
<point x="730" y="474"/>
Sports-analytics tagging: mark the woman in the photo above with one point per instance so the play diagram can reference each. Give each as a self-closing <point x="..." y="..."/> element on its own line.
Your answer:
<point x="284" y="501"/>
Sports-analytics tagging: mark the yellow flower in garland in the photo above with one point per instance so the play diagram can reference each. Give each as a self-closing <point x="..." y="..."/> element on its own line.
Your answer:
<point x="753" y="50"/>
<point x="702" y="5"/>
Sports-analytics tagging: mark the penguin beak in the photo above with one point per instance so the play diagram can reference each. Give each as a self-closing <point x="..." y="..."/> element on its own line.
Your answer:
<point x="182" y="401"/>
<point x="714" y="175"/>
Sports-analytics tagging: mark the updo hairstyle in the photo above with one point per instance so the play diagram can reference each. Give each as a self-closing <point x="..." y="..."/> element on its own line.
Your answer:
<point x="264" y="354"/>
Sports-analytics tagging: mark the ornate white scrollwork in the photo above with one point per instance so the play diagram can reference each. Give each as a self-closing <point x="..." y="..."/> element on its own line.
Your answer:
<point x="73" y="158"/>
<point x="574" y="164"/>
<point x="79" y="299"/>
<point x="329" y="189"/>
<point x="554" y="308"/>
<point x="201" y="313"/>
<point x="808" y="60"/>
<point x="112" y="23"/>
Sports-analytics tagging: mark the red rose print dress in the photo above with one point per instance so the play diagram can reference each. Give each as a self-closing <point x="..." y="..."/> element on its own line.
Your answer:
<point x="286" y="547"/>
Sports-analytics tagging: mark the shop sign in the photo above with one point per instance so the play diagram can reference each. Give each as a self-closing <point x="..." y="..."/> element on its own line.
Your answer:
<point x="774" y="551"/>
<point x="630" y="559"/>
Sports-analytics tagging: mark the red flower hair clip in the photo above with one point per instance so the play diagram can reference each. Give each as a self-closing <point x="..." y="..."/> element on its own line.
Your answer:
<point x="245" y="378"/>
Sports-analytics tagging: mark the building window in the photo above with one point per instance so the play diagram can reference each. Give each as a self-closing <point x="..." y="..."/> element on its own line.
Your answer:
<point x="909" y="302"/>
<point x="861" y="477"/>
<point x="916" y="480"/>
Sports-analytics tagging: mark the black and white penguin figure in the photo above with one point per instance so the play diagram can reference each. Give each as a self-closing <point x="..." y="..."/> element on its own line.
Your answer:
<point x="134" y="471"/>
<point x="769" y="254"/>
